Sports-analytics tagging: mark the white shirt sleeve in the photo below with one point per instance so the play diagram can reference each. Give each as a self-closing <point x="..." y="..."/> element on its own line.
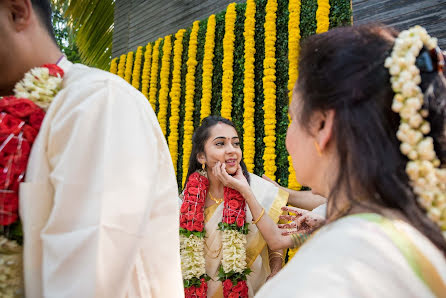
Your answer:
<point x="115" y="197"/>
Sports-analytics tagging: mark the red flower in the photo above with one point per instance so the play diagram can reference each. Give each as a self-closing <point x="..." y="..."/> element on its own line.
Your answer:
<point x="36" y="118"/>
<point x="227" y="284"/>
<point x="233" y="295"/>
<point x="230" y="220"/>
<point x="183" y="225"/>
<point x="184" y="207"/>
<point x="29" y="133"/>
<point x="240" y="286"/>
<point x="198" y="226"/>
<point x="240" y="221"/>
<point x="199" y="217"/>
<point x="21" y="107"/>
<point x="193" y="190"/>
<point x="10" y="124"/>
<point x="9" y="204"/>
<point x="54" y="70"/>
<point x="190" y="226"/>
<point x="233" y="204"/>
<point x="183" y="219"/>
<point x="202" y="290"/>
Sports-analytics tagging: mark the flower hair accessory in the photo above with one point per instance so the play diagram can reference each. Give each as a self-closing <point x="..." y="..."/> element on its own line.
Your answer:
<point x="423" y="169"/>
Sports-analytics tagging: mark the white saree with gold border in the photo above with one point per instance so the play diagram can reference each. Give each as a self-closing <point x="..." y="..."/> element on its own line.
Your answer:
<point x="272" y="199"/>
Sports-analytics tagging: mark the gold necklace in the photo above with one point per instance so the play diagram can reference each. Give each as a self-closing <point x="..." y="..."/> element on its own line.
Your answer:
<point x="213" y="254"/>
<point x="218" y="201"/>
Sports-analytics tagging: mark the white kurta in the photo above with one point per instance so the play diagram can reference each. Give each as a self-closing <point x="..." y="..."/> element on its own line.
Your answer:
<point x="99" y="205"/>
<point x="354" y="258"/>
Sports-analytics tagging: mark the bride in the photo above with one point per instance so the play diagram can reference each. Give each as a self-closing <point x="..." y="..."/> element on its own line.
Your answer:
<point x="222" y="252"/>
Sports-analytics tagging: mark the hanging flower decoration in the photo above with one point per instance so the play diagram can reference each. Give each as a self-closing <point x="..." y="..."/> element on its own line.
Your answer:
<point x="164" y="82"/>
<point x="248" y="88"/>
<point x="428" y="179"/>
<point x="114" y="66"/>
<point x="208" y="67"/>
<point x="190" y="92"/>
<point x="228" y="61"/>
<point x="128" y="67"/>
<point x="175" y="94"/>
<point x="145" y="78"/>
<point x="154" y="73"/>
<point x="322" y="16"/>
<point x="121" y="65"/>
<point x="137" y="68"/>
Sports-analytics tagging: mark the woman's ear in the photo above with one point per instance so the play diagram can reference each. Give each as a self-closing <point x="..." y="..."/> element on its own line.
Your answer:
<point x="324" y="127"/>
<point x="201" y="157"/>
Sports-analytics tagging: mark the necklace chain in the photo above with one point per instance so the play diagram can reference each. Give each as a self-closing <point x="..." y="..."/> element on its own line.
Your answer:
<point x="216" y="200"/>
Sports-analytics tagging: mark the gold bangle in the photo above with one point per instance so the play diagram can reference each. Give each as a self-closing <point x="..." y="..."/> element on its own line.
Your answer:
<point x="276" y="253"/>
<point x="275" y="257"/>
<point x="260" y="216"/>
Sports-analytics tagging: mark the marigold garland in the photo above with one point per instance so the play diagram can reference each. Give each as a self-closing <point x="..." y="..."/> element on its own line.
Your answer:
<point x="228" y="61"/>
<point x="269" y="88"/>
<point x="145" y="78"/>
<point x="154" y="74"/>
<point x="322" y="16"/>
<point x="175" y="94"/>
<point x="137" y="68"/>
<point x="114" y="66"/>
<point x="121" y="65"/>
<point x="189" y="100"/>
<point x="128" y="67"/>
<point x="164" y="82"/>
<point x="208" y="68"/>
<point x="248" y="88"/>
<point x="293" y="72"/>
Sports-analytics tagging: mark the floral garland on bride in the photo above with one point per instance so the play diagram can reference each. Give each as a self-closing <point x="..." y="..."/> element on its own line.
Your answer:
<point x="233" y="269"/>
<point x="21" y="116"/>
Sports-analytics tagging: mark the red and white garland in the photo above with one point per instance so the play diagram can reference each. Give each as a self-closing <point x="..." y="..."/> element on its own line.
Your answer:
<point x="21" y="116"/>
<point x="233" y="269"/>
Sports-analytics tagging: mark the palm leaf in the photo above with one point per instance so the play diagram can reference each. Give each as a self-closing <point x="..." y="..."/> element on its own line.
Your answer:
<point x="93" y="23"/>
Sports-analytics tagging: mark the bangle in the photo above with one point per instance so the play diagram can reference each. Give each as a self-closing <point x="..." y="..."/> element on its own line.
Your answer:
<point x="260" y="216"/>
<point x="273" y="257"/>
<point x="275" y="254"/>
<point x="298" y="239"/>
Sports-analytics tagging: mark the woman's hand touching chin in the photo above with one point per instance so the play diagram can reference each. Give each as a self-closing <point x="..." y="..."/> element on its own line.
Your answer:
<point x="237" y="181"/>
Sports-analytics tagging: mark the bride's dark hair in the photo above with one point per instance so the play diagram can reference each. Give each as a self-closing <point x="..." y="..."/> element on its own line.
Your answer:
<point x="201" y="135"/>
<point x="343" y="70"/>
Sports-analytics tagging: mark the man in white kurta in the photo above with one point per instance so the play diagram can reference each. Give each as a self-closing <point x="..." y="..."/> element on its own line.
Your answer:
<point x="99" y="203"/>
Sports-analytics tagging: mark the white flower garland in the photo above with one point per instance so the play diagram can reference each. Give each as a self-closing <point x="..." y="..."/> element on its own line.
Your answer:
<point x="38" y="86"/>
<point x="426" y="176"/>
<point x="234" y="251"/>
<point x="193" y="263"/>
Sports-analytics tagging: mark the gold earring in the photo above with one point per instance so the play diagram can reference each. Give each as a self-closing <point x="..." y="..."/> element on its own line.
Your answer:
<point x="318" y="149"/>
<point x="203" y="166"/>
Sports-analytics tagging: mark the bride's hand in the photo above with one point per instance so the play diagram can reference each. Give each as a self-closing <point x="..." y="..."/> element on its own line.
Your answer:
<point x="304" y="222"/>
<point x="237" y="182"/>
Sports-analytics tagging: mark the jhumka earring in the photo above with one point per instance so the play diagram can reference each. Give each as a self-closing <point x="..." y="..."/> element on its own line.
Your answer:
<point x="203" y="170"/>
<point x="318" y="149"/>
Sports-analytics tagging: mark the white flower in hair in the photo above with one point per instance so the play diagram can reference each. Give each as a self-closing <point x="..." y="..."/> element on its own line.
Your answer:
<point x="423" y="168"/>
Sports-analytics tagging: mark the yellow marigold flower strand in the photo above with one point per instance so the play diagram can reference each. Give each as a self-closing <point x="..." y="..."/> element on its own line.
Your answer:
<point x="121" y="65"/>
<point x="293" y="57"/>
<point x="128" y="67"/>
<point x="248" y="88"/>
<point x="164" y="83"/>
<point x="189" y="100"/>
<point x="114" y="66"/>
<point x="208" y="68"/>
<point x="175" y="94"/>
<point x="145" y="78"/>
<point x="228" y="61"/>
<point x="269" y="88"/>
<point x="154" y="74"/>
<point x="137" y="68"/>
<point x="322" y="16"/>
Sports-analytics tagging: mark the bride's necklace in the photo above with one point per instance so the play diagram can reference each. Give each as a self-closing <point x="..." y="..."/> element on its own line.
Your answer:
<point x="216" y="200"/>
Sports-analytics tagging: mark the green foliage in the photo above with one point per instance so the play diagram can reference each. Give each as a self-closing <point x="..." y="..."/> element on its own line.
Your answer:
<point x="195" y="281"/>
<point x="340" y="13"/>
<point x="65" y="37"/>
<point x="258" y="86"/>
<point x="239" y="70"/>
<point x="180" y="169"/>
<point x="308" y="23"/>
<point x="235" y="277"/>
<point x="188" y="233"/>
<point x="201" y="40"/>
<point x="282" y="92"/>
<point x="218" y="64"/>
<point x="222" y="226"/>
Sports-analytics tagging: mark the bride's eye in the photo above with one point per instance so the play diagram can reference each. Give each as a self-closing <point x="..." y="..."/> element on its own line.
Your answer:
<point x="237" y="144"/>
<point x="219" y="144"/>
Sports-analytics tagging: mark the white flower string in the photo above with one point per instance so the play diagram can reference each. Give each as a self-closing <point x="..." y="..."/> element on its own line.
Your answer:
<point x="427" y="178"/>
